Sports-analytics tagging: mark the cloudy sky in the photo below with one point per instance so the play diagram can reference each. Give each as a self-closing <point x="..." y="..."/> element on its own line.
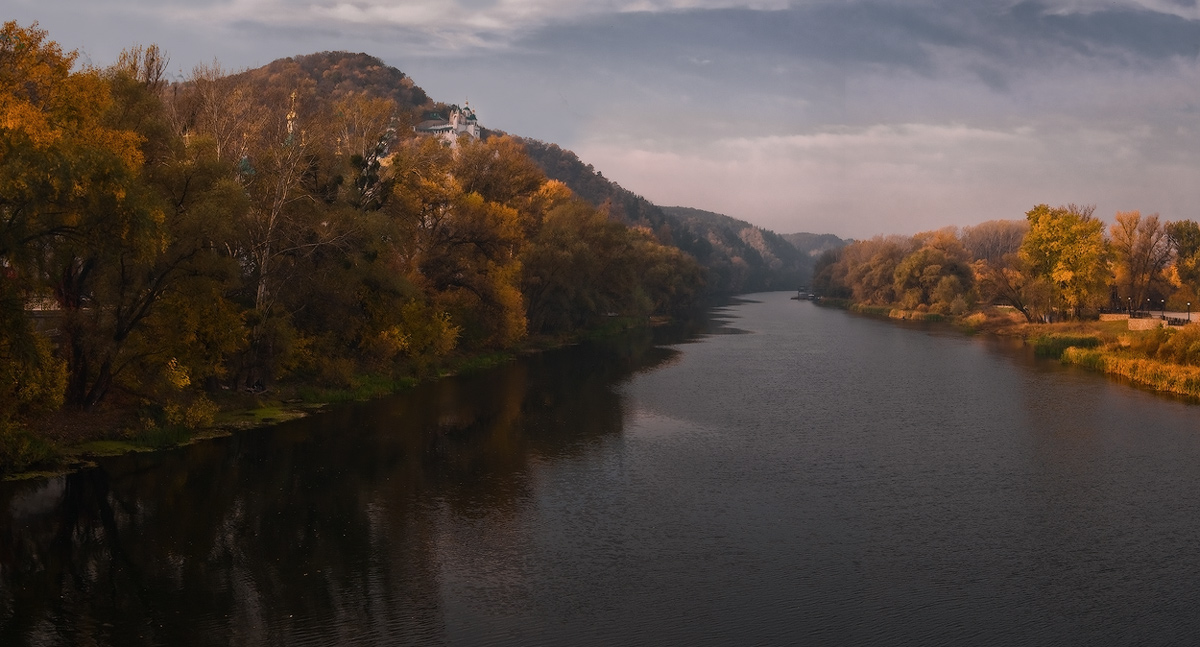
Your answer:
<point x="848" y="117"/>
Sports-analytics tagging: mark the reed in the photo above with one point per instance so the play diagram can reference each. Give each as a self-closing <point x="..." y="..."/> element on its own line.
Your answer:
<point x="1154" y="374"/>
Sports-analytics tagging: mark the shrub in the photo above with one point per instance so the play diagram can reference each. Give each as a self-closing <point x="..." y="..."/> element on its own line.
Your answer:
<point x="21" y="449"/>
<point x="1180" y="347"/>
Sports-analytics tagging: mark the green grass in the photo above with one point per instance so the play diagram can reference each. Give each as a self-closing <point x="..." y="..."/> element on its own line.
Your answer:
<point x="362" y="387"/>
<point x="1054" y="344"/>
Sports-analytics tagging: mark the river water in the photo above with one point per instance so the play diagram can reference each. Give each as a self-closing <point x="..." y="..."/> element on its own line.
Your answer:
<point x="777" y="474"/>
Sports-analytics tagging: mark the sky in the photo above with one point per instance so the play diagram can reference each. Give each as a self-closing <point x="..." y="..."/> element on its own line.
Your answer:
<point x="855" y="118"/>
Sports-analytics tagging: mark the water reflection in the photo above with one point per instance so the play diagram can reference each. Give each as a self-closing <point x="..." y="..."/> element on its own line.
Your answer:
<point x="820" y="478"/>
<point x="319" y="531"/>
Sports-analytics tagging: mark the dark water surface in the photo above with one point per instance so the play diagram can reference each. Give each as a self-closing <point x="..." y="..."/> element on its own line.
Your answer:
<point x="800" y="476"/>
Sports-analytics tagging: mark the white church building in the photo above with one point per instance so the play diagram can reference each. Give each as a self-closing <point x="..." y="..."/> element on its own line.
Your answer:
<point x="462" y="121"/>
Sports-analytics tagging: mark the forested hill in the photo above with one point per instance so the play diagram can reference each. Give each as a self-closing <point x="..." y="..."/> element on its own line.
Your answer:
<point x="737" y="256"/>
<point x="813" y="245"/>
<point x="272" y="231"/>
<point x="771" y="262"/>
<point x="324" y="79"/>
<point x="337" y="75"/>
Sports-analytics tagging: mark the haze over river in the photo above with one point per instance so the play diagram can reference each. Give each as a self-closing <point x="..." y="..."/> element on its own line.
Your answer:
<point x="779" y="474"/>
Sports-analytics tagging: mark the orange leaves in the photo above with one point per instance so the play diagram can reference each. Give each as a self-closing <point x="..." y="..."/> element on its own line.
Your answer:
<point x="46" y="104"/>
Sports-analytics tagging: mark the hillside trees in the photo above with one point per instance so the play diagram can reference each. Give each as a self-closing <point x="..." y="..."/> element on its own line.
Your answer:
<point x="581" y="266"/>
<point x="234" y="230"/>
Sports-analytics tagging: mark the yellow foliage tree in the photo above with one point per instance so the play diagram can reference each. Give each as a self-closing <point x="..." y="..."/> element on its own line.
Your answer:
<point x="1065" y="247"/>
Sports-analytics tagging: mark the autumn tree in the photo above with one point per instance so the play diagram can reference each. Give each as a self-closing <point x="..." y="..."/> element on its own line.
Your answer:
<point x="219" y="105"/>
<point x="829" y="275"/>
<point x="936" y="275"/>
<point x="582" y="266"/>
<point x="74" y="204"/>
<point x="869" y="268"/>
<point x="1065" y="247"/>
<point x="1001" y="276"/>
<point x="994" y="240"/>
<point x="1184" y="238"/>
<point x="1141" y="250"/>
<point x="364" y="126"/>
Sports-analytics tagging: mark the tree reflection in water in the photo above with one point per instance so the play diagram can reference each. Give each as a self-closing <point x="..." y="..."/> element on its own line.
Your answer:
<point x="321" y="530"/>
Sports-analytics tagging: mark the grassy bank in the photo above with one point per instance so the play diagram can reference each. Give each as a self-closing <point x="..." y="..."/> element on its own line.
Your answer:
<point x="1161" y="359"/>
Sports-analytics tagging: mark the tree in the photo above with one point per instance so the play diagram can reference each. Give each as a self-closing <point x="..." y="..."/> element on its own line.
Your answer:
<point x="364" y="127"/>
<point x="994" y="240"/>
<point x="72" y="203"/>
<point x="1184" y="238"/>
<point x="218" y="105"/>
<point x="499" y="170"/>
<point x="936" y="275"/>
<point x="1141" y="251"/>
<point x="870" y="268"/>
<point x="1065" y="247"/>
<point x="1000" y="273"/>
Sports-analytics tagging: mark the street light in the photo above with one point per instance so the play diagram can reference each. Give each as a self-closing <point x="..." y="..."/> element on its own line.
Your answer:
<point x="1189" y="312"/>
<point x="1163" y="303"/>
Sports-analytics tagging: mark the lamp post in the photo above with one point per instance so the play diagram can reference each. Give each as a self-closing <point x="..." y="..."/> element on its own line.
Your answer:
<point x="1163" y="303"/>
<point x="1130" y="300"/>
<point x="1189" y="312"/>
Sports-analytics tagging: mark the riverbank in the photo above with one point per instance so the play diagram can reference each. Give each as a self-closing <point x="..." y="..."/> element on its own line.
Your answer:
<point x="67" y="441"/>
<point x="1165" y="360"/>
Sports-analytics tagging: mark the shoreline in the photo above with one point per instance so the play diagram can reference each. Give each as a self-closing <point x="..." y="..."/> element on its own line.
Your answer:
<point x="1109" y="347"/>
<point x="105" y="434"/>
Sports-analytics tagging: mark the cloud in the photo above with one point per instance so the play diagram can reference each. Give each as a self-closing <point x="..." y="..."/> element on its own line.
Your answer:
<point x="904" y="178"/>
<point x="447" y="25"/>
<point x="852" y="116"/>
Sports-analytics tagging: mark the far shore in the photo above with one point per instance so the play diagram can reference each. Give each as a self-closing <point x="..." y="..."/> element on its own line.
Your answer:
<point x="1137" y="351"/>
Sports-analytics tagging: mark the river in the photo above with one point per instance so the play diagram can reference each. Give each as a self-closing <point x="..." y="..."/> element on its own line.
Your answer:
<point x="776" y="474"/>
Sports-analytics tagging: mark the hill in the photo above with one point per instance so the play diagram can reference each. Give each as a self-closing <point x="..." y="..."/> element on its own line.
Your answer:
<point x="813" y="245"/>
<point x="737" y="256"/>
<point x="771" y="262"/>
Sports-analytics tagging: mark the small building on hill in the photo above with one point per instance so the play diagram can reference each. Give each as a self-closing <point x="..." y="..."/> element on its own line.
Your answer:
<point x="461" y="121"/>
